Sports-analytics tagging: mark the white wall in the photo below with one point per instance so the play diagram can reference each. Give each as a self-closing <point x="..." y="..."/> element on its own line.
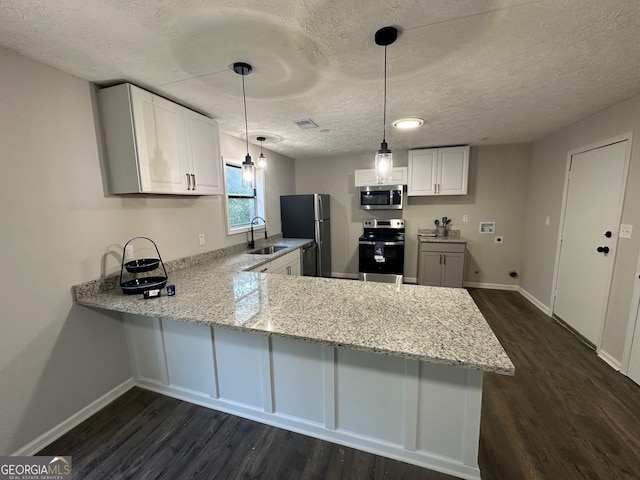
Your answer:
<point x="546" y="183"/>
<point x="497" y="180"/>
<point x="60" y="228"/>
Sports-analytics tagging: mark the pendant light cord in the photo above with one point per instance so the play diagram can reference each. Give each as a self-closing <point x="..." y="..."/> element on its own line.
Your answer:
<point x="384" y="114"/>
<point x="246" y="127"/>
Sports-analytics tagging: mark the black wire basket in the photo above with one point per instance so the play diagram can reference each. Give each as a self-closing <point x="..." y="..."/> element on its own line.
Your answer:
<point x="140" y="284"/>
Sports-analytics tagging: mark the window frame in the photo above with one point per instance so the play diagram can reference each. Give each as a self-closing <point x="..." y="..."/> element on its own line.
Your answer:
<point x="259" y="198"/>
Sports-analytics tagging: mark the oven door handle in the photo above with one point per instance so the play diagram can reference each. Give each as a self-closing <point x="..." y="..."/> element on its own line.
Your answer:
<point x="367" y="242"/>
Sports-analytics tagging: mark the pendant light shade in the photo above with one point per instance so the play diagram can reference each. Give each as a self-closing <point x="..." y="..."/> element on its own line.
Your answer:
<point x="248" y="168"/>
<point x="384" y="158"/>
<point x="262" y="160"/>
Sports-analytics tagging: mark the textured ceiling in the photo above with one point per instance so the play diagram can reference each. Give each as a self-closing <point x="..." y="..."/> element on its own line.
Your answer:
<point x="477" y="71"/>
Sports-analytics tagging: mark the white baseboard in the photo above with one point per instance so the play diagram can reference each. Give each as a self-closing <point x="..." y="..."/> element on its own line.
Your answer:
<point x="608" y="359"/>
<point x="491" y="286"/>
<point x="74" y="420"/>
<point x="541" y="306"/>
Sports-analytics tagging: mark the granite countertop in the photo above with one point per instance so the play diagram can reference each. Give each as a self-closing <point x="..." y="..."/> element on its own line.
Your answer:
<point x="434" y="324"/>
<point x="427" y="235"/>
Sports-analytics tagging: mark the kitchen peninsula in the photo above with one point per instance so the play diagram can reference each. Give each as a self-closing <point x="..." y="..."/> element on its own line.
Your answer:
<point x="391" y="369"/>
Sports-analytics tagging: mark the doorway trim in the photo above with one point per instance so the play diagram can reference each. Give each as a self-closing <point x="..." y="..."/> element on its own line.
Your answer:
<point x="633" y="322"/>
<point x="603" y="143"/>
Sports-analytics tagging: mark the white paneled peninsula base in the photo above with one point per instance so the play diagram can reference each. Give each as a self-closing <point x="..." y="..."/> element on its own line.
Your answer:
<point x="392" y="370"/>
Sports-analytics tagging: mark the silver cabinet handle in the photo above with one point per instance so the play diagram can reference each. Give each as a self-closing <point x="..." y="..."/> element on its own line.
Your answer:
<point x="188" y="181"/>
<point x="264" y="270"/>
<point x="444" y="258"/>
<point x="435" y="188"/>
<point x="288" y="270"/>
<point x="440" y="261"/>
<point x="193" y="185"/>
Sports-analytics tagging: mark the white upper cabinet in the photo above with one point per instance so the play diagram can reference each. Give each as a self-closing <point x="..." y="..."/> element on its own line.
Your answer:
<point x="154" y="145"/>
<point x="438" y="171"/>
<point x="367" y="177"/>
<point x="203" y="148"/>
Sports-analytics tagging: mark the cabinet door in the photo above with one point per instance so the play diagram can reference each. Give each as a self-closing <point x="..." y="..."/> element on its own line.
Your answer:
<point x="422" y="172"/>
<point x="294" y="268"/>
<point x="368" y="177"/>
<point x="453" y="170"/>
<point x="203" y="147"/>
<point x="452" y="270"/>
<point x="164" y="167"/>
<point x="430" y="269"/>
<point x="288" y="264"/>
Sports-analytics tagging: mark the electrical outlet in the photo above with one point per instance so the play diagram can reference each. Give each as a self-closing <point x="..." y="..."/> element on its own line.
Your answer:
<point x="498" y="239"/>
<point x="465" y="218"/>
<point x="626" y="231"/>
<point x="128" y="252"/>
<point x="201" y="239"/>
<point x="546" y="221"/>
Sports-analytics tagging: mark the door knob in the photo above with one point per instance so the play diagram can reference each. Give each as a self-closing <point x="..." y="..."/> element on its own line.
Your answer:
<point x="603" y="250"/>
<point x="608" y="234"/>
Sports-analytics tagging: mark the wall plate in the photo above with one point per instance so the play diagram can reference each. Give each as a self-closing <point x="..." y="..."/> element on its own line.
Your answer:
<point x="487" y="227"/>
<point x="625" y="231"/>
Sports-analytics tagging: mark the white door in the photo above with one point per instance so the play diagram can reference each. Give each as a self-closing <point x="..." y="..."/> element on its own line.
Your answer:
<point x="593" y="206"/>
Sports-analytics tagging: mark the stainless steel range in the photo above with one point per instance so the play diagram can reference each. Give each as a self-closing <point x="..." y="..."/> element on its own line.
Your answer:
<point x="381" y="251"/>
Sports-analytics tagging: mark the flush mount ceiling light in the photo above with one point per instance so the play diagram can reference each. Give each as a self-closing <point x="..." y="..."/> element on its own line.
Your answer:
<point x="262" y="161"/>
<point x="408" y="123"/>
<point x="248" y="168"/>
<point x="384" y="159"/>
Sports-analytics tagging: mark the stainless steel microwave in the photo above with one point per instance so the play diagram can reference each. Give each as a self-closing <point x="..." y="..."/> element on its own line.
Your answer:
<point x="381" y="197"/>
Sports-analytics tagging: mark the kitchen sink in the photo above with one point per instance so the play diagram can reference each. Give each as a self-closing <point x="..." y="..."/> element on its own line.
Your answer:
<point x="268" y="250"/>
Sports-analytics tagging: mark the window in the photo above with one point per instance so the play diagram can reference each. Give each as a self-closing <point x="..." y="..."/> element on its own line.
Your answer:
<point x="242" y="203"/>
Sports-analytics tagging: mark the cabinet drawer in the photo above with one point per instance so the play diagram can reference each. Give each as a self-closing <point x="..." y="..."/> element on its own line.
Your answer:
<point x="442" y="247"/>
<point x="284" y="260"/>
<point x="262" y="268"/>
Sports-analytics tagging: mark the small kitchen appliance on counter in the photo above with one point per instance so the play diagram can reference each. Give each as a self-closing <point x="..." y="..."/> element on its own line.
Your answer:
<point x="381" y="251"/>
<point x="134" y="266"/>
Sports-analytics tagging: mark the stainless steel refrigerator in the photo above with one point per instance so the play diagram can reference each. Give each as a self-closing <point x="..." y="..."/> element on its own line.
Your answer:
<point x="309" y="216"/>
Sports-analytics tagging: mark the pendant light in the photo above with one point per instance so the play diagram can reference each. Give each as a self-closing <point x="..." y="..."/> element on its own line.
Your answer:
<point x="262" y="160"/>
<point x="384" y="159"/>
<point x="248" y="168"/>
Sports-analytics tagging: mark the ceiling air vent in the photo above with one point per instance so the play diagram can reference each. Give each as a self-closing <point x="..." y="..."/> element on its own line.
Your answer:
<point x="306" y="123"/>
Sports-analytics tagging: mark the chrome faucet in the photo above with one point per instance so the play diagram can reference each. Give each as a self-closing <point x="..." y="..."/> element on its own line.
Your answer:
<point x="254" y="221"/>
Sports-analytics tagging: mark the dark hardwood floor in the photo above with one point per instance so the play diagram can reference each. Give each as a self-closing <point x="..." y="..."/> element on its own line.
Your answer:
<point x="564" y="415"/>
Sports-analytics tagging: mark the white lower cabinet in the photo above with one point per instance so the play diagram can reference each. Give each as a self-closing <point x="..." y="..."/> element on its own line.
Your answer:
<point x="289" y="264"/>
<point x="441" y="264"/>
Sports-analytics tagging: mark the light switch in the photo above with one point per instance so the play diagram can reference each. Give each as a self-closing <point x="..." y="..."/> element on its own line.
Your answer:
<point x="465" y="218"/>
<point x="546" y="221"/>
<point x="626" y="230"/>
